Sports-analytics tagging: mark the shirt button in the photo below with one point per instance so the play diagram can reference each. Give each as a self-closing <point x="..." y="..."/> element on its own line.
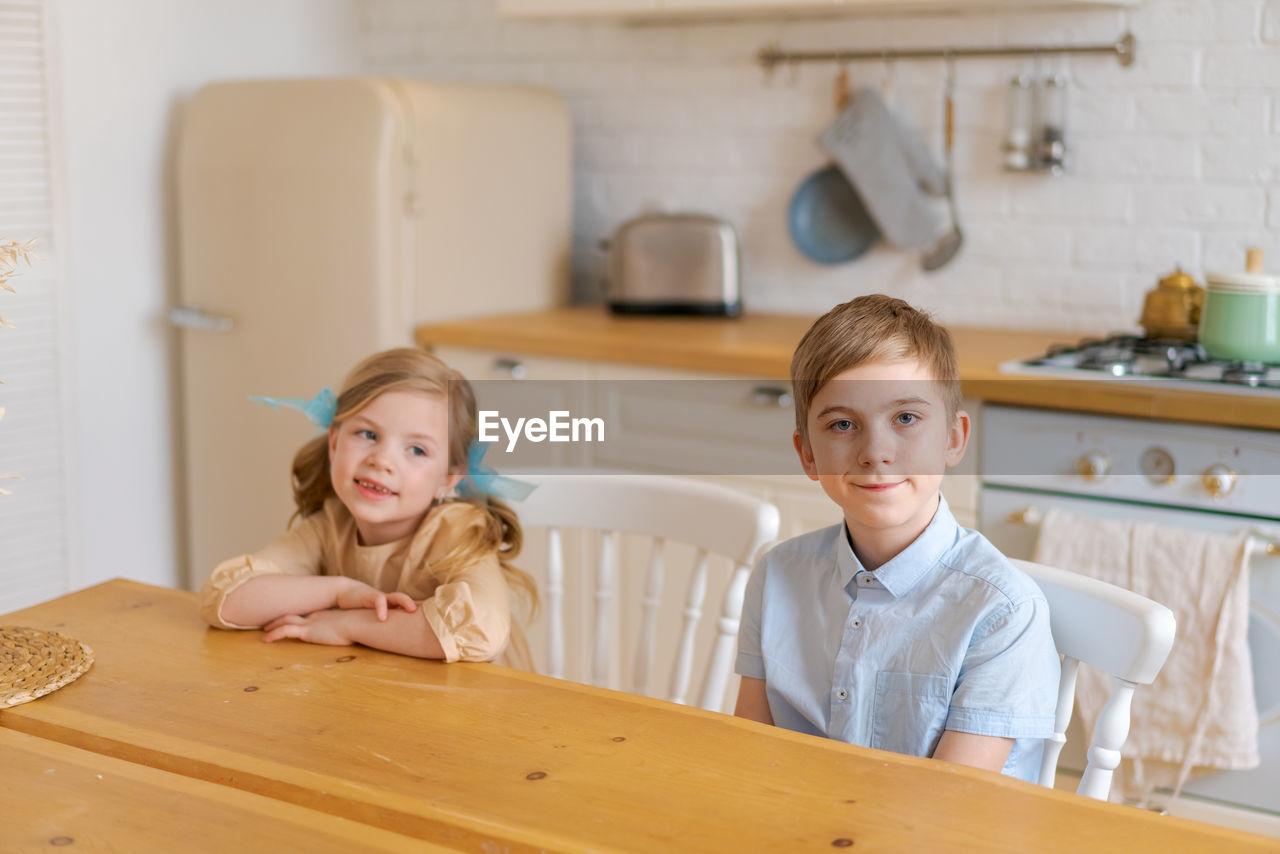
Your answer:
<point x="842" y="694"/>
<point x="856" y="622"/>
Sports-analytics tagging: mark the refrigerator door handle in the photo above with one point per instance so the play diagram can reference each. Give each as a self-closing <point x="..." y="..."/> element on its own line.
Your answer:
<point x="190" y="317"/>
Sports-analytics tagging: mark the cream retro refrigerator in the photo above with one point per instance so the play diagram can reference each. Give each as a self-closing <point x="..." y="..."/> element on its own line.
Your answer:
<point x="321" y="220"/>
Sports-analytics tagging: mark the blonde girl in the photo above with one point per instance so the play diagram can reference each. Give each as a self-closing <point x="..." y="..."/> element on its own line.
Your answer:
<point x="382" y="550"/>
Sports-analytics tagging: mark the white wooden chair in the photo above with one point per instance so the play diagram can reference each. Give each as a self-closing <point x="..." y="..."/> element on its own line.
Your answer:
<point x="715" y="520"/>
<point x="1115" y="630"/>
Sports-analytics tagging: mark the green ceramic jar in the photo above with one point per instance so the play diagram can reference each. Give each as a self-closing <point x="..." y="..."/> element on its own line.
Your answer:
<point x="1240" y="321"/>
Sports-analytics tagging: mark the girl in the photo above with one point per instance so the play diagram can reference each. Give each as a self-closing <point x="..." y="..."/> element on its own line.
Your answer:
<point x="380" y="555"/>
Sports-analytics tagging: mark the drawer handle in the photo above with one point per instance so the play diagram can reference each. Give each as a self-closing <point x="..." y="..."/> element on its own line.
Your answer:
<point x="1031" y="515"/>
<point x="513" y="368"/>
<point x="772" y="397"/>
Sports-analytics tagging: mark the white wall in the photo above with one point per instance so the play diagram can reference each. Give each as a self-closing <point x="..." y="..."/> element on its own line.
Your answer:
<point x="1177" y="159"/>
<point x="126" y="66"/>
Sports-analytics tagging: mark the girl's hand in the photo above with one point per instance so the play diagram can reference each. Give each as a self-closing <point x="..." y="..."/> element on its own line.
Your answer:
<point x="325" y="627"/>
<point x="357" y="594"/>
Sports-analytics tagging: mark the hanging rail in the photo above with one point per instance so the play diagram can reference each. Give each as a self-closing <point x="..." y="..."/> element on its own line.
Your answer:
<point x="772" y="56"/>
<point x="1263" y="544"/>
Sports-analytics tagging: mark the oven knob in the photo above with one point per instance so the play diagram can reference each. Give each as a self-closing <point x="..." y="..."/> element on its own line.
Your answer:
<point x="1158" y="466"/>
<point x="1218" y="480"/>
<point x="1094" y="465"/>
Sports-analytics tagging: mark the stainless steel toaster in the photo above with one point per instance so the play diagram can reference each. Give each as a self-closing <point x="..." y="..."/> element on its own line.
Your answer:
<point x="674" y="264"/>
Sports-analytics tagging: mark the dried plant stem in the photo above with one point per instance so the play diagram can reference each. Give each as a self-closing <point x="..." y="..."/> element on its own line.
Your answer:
<point x="12" y="254"/>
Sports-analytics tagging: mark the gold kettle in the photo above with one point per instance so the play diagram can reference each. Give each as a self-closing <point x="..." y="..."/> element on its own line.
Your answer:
<point x="1172" y="309"/>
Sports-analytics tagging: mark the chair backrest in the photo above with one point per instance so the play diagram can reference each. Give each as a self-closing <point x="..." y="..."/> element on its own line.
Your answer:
<point x="713" y="519"/>
<point x="1115" y="630"/>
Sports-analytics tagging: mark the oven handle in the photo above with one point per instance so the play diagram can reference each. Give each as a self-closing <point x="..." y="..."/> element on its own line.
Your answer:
<point x="1263" y="544"/>
<point x="1258" y="542"/>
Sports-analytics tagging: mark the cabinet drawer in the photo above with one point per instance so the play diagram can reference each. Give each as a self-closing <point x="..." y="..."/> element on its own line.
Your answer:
<point x="484" y="365"/>
<point x="706" y="427"/>
<point x="521" y="385"/>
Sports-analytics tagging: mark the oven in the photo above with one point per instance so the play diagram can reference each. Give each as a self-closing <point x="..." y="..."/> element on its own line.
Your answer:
<point x="1216" y="479"/>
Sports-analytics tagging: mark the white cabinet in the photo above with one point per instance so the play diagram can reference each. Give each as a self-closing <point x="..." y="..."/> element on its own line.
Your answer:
<point x="694" y="9"/>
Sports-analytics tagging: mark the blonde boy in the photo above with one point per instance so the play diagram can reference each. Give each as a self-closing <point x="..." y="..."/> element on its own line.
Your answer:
<point x="896" y="629"/>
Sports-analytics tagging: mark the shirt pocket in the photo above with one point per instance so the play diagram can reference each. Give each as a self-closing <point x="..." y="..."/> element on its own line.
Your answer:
<point x="910" y="711"/>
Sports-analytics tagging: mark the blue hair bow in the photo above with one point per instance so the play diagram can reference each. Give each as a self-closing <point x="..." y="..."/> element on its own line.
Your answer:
<point x="481" y="480"/>
<point x="319" y="409"/>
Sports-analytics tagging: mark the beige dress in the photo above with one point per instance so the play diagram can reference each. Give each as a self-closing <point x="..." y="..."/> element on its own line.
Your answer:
<point x="471" y="615"/>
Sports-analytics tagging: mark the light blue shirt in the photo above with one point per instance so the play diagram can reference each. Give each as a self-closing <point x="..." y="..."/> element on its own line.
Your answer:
<point x="946" y="635"/>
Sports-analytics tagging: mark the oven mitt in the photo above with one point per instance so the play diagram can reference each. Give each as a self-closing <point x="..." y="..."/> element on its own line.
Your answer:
<point x="891" y="170"/>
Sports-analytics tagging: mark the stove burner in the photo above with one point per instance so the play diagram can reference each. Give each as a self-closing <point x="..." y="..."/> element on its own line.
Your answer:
<point x="1177" y="354"/>
<point x="1114" y="356"/>
<point x="1116" y="367"/>
<point x="1252" y="374"/>
<point x="1130" y="357"/>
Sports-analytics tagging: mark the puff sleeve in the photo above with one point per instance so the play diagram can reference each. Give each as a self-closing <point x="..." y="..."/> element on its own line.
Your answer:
<point x="297" y="552"/>
<point x="471" y="615"/>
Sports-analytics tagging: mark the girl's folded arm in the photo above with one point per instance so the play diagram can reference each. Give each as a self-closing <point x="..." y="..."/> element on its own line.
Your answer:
<point x="401" y="632"/>
<point x="293" y="557"/>
<point x="471" y="615"/>
<point x="264" y="598"/>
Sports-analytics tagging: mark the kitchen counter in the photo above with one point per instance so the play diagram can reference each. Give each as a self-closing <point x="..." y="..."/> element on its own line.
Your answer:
<point x="760" y="345"/>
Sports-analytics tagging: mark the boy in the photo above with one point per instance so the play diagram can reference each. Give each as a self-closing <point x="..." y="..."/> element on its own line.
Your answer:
<point x="896" y="629"/>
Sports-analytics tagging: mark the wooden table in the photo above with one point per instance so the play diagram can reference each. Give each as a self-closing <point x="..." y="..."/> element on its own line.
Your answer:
<point x="483" y="758"/>
<point x="57" y="796"/>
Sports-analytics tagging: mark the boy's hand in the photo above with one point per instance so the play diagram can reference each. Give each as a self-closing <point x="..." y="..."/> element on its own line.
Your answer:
<point x="324" y="627"/>
<point x="357" y="594"/>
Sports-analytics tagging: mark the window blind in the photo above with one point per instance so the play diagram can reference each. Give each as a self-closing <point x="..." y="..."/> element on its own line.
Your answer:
<point x="35" y="551"/>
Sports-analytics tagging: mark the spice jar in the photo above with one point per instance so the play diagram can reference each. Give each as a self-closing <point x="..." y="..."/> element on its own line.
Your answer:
<point x="1019" y="119"/>
<point x="1051" y="123"/>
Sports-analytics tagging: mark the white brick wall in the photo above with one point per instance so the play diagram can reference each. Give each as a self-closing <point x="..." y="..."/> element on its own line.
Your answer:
<point x="1176" y="160"/>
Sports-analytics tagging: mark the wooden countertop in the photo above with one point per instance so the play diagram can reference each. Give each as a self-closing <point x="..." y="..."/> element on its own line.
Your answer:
<point x="760" y="345"/>
<point x="483" y="758"/>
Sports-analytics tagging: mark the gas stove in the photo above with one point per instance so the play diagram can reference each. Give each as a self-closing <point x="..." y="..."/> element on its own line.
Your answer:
<point x="1151" y="361"/>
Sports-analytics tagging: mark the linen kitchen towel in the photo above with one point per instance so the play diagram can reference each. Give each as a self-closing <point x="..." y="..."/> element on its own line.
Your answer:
<point x="1199" y="714"/>
<point x="890" y="168"/>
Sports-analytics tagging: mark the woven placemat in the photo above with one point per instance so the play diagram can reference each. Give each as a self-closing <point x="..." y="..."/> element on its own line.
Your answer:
<point x="34" y="662"/>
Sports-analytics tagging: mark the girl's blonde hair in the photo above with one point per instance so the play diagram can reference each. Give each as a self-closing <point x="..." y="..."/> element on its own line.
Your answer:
<point x="410" y="369"/>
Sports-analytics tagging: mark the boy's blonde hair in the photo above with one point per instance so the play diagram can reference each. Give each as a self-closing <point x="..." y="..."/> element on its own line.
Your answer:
<point x="410" y="369"/>
<point x="869" y="329"/>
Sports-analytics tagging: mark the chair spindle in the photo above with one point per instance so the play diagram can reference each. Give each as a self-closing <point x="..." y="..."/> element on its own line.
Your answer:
<point x="649" y="606"/>
<point x="604" y="601"/>
<point x="721" y="661"/>
<point x="694" y="598"/>
<point x="555" y="604"/>
<point x="1061" y="719"/>
<point x="1108" y="735"/>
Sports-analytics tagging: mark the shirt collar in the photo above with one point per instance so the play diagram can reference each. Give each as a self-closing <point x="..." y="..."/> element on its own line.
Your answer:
<point x="902" y="572"/>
